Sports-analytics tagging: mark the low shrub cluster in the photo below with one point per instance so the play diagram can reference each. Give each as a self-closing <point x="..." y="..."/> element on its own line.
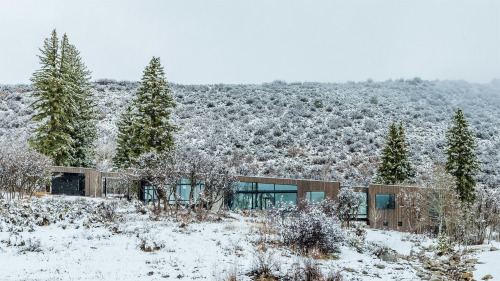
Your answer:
<point x="150" y="243"/>
<point x="313" y="228"/>
<point x="22" y="171"/>
<point x="23" y="215"/>
<point x="308" y="269"/>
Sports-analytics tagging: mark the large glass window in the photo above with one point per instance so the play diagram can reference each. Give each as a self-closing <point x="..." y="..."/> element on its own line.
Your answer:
<point x="315" y="196"/>
<point x="265" y="201"/>
<point x="286" y="199"/>
<point x="246" y="186"/>
<point x="182" y="191"/>
<point x="149" y="194"/>
<point x="265" y="187"/>
<point x="263" y="195"/>
<point x="385" y="201"/>
<point x="363" y="207"/>
<point x="243" y="201"/>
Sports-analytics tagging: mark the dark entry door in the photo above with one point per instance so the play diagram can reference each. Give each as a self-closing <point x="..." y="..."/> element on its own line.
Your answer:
<point x="68" y="184"/>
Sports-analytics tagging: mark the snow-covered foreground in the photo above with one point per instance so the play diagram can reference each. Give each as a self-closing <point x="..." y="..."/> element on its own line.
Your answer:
<point x="75" y="241"/>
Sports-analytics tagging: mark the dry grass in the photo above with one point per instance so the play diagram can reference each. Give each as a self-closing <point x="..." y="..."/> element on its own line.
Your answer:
<point x="41" y="194"/>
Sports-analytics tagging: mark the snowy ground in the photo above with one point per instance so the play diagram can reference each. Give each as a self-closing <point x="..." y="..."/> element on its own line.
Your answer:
<point x="75" y="242"/>
<point x="489" y="261"/>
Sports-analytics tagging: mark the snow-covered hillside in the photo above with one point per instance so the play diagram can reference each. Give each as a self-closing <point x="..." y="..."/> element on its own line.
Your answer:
<point x="300" y="130"/>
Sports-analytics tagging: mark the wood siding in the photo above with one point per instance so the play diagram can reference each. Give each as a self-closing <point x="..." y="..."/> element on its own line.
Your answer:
<point x="392" y="217"/>
<point x="397" y="218"/>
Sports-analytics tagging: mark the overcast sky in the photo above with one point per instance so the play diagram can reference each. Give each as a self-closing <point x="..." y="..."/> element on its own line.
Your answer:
<point x="240" y="41"/>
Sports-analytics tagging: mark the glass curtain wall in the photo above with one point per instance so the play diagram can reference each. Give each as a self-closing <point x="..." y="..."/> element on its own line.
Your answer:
<point x="363" y="207"/>
<point x="261" y="196"/>
<point x="182" y="192"/>
<point x="315" y="196"/>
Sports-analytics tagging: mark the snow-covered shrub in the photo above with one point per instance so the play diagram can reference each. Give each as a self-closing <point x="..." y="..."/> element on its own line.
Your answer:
<point x="141" y="208"/>
<point x="29" y="244"/>
<point x="349" y="202"/>
<point x="357" y="238"/>
<point x="485" y="217"/>
<point x="22" y="171"/>
<point x="380" y="249"/>
<point x="371" y="125"/>
<point x="107" y="210"/>
<point x="306" y="269"/>
<point x="309" y="269"/>
<point x="264" y="263"/>
<point x="309" y="229"/>
<point x="148" y="242"/>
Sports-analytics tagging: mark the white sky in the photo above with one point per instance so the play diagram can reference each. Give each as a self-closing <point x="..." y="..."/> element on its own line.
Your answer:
<point x="243" y="41"/>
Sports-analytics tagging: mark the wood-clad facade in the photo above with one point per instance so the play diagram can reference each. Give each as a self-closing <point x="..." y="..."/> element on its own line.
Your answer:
<point x="386" y="213"/>
<point x="93" y="178"/>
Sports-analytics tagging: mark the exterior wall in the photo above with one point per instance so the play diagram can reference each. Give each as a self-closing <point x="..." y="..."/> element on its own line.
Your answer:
<point x="331" y="189"/>
<point x="94" y="188"/>
<point x="87" y="172"/>
<point x="93" y="178"/>
<point x="395" y="216"/>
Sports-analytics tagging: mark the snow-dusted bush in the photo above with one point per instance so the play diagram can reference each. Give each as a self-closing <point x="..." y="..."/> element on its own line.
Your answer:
<point x="23" y="244"/>
<point x="22" y="171"/>
<point x="357" y="238"/>
<point x="349" y="202"/>
<point x="264" y="263"/>
<point x="107" y="210"/>
<point x="149" y="242"/>
<point x="309" y="229"/>
<point x="306" y="269"/>
<point x="486" y="215"/>
<point x="309" y="269"/>
<point x="25" y="216"/>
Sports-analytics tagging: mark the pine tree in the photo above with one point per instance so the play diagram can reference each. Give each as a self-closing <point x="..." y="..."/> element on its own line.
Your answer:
<point x="64" y="105"/>
<point x="462" y="161"/>
<point x="52" y="99"/>
<point x="153" y="110"/>
<point x="127" y="149"/>
<point x="84" y="117"/>
<point x="395" y="167"/>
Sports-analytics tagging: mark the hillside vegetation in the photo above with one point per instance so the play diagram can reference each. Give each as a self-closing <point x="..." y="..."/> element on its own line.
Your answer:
<point x="324" y="131"/>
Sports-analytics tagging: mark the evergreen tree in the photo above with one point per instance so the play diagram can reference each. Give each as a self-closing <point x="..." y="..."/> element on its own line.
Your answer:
<point x="127" y="149"/>
<point x="395" y="167"/>
<point x="52" y="99"/>
<point x="84" y="117"/>
<point x="462" y="161"/>
<point x="154" y="103"/>
<point x="64" y="105"/>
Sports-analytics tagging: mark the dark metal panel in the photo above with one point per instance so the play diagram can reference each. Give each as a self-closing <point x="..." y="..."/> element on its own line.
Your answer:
<point x="68" y="184"/>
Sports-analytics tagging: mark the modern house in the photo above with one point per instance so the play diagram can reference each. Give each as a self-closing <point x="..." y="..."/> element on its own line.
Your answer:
<point x="382" y="207"/>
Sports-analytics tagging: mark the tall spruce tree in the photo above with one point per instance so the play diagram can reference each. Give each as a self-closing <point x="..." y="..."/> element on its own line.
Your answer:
<point x="127" y="149"/>
<point x="462" y="161"/>
<point x="396" y="166"/>
<point x="63" y="104"/>
<point x="84" y="117"/>
<point x="154" y="103"/>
